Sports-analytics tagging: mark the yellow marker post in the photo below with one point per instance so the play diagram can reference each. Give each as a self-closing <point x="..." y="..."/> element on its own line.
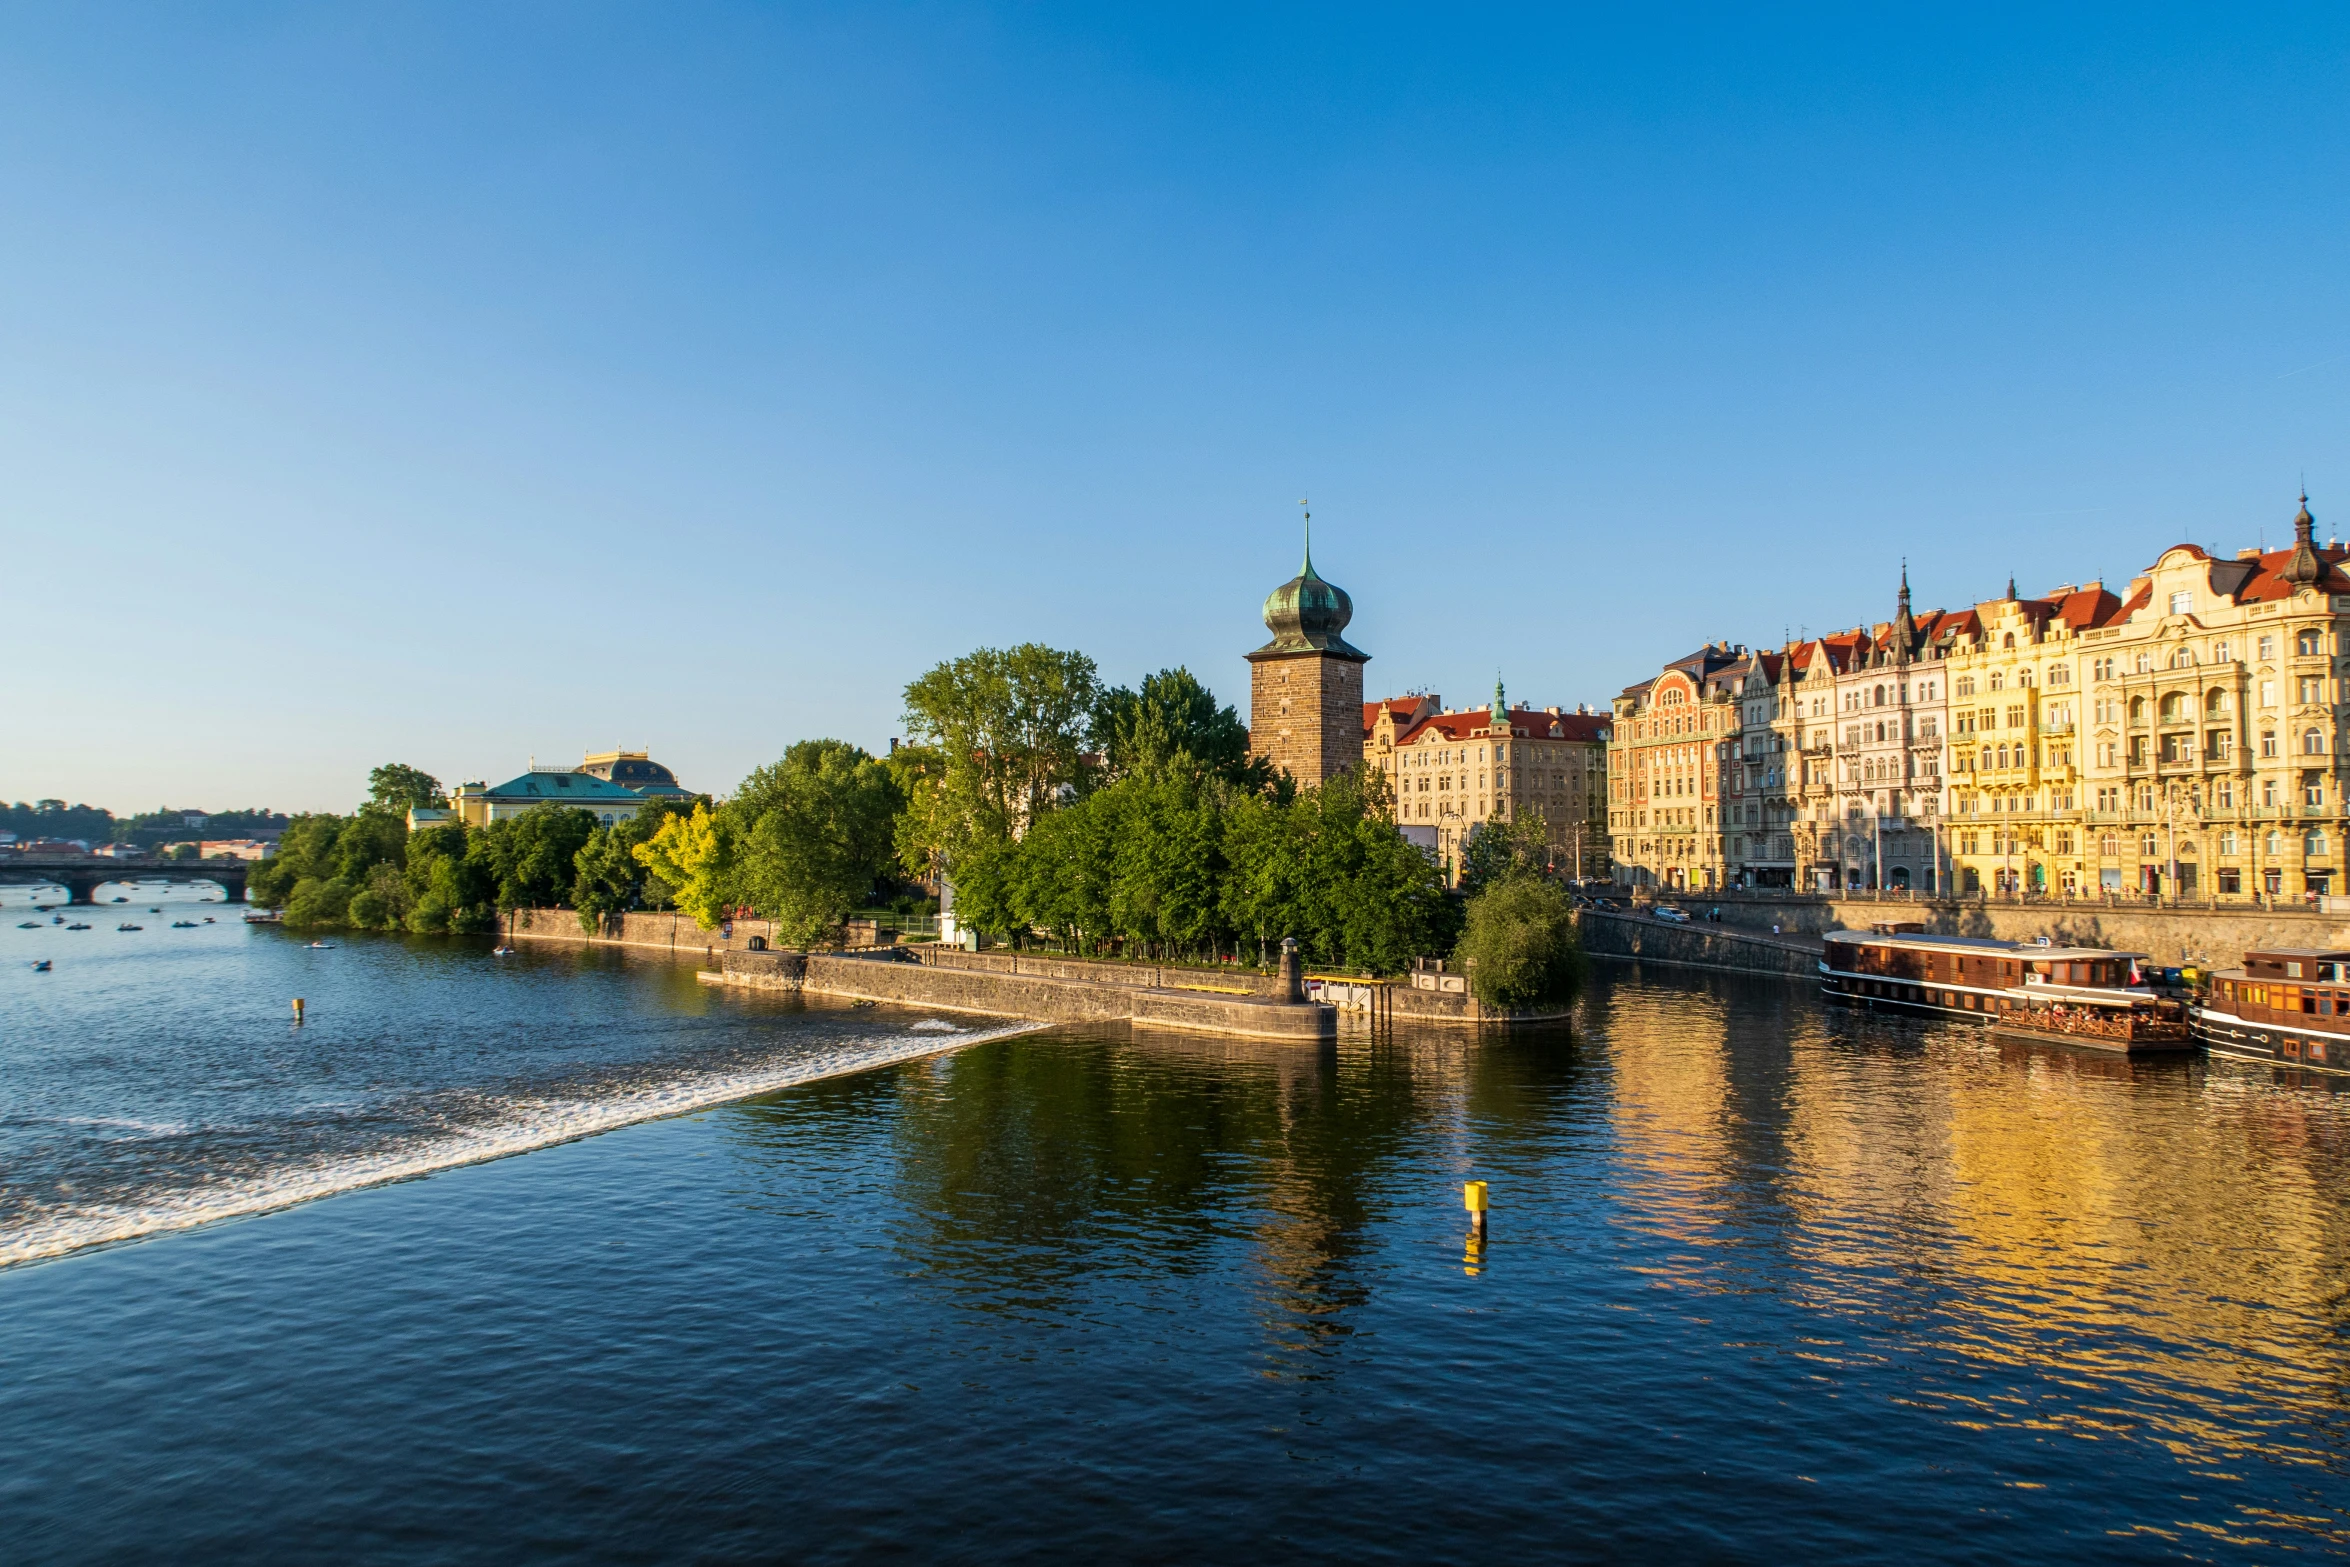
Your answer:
<point x="297" y="1009"/>
<point x="1473" y="1199"/>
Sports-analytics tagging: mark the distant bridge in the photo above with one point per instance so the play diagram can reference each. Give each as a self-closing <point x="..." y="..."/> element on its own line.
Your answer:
<point x="82" y="874"/>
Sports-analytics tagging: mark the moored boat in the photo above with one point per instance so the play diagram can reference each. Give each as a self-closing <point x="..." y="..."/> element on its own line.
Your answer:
<point x="2288" y="1006"/>
<point x="2083" y="996"/>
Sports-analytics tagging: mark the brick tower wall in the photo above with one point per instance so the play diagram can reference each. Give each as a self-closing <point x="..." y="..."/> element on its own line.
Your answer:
<point x="1305" y="714"/>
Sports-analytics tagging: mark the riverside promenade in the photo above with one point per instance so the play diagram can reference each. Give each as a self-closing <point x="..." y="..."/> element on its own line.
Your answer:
<point x="1047" y="986"/>
<point x="1699" y="945"/>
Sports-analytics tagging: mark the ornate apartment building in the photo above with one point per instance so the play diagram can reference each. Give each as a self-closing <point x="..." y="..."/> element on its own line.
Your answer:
<point x="2183" y="738"/>
<point x="1818" y="765"/>
<point x="2215" y="706"/>
<point x="1669" y="765"/>
<point x="2016" y="749"/>
<point x="1451" y="772"/>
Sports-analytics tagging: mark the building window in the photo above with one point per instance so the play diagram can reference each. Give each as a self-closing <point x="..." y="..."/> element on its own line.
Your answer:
<point x="2181" y="602"/>
<point x="2307" y="644"/>
<point x="2313" y="788"/>
<point x="2268" y="742"/>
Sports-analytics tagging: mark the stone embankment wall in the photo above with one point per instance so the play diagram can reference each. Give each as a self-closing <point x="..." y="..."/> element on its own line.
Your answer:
<point x="1179" y="997"/>
<point x="996" y="992"/>
<point x="1142" y="976"/>
<point x="2214" y="938"/>
<point x="1699" y="946"/>
<point x="675" y="934"/>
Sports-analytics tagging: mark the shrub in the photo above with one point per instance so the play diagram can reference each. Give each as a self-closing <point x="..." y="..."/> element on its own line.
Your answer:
<point x="1520" y="947"/>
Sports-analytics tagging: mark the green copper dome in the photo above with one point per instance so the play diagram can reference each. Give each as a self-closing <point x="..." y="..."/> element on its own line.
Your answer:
<point x="1306" y="614"/>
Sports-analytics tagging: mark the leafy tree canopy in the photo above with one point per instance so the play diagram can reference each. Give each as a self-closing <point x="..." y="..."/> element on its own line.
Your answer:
<point x="1519" y="946"/>
<point x="693" y="855"/>
<point x="1007" y="728"/>
<point x="812" y="834"/>
<point x="396" y="789"/>
<point x="1499" y="849"/>
<point x="1173" y="722"/>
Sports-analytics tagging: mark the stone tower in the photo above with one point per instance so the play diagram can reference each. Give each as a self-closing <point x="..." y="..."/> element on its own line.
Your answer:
<point x="1305" y="689"/>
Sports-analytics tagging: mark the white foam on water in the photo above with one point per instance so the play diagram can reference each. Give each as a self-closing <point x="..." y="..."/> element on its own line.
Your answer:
<point x="532" y="1124"/>
<point x="934" y="1025"/>
<point x="121" y="1123"/>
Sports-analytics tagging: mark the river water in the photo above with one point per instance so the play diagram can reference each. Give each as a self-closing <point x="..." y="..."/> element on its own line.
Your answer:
<point x="1762" y="1282"/>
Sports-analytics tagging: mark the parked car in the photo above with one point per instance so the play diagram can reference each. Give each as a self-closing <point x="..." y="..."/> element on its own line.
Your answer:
<point x="1676" y="916"/>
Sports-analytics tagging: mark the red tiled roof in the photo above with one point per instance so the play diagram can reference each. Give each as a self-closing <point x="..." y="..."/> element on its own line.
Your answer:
<point x="1530" y="722"/>
<point x="2268" y="580"/>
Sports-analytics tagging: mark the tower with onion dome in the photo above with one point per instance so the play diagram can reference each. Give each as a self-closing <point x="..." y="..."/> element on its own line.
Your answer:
<point x="1305" y="690"/>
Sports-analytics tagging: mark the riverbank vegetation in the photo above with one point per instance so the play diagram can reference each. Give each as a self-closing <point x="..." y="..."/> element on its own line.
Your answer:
<point x="1100" y="820"/>
<point x="367" y="871"/>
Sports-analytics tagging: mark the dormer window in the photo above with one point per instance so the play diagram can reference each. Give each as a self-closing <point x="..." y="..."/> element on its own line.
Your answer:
<point x="2182" y="602"/>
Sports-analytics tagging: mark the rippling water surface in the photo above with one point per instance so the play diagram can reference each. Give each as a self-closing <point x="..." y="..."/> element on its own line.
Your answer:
<point x="1761" y="1284"/>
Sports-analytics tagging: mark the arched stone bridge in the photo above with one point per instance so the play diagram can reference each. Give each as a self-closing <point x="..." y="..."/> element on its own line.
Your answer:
<point x="82" y="874"/>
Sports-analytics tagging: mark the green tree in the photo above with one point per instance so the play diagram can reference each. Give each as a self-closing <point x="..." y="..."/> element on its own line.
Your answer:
<point x="317" y="901"/>
<point x="1371" y="899"/>
<point x="396" y="788"/>
<point x="812" y="833"/>
<point x="1173" y="722"/>
<point x="693" y="855"/>
<point x="381" y="903"/>
<point x="1499" y="849"/>
<point x="1166" y="836"/>
<point x="532" y="858"/>
<point x="1520" y="948"/>
<point x="610" y="878"/>
<point x="1007" y="728"/>
<point x="448" y="890"/>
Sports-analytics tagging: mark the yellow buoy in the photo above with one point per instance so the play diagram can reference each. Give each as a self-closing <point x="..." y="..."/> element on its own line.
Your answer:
<point x="297" y="1009"/>
<point x="1473" y="1199"/>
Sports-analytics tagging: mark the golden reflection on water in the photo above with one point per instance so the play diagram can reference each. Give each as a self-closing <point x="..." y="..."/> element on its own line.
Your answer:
<point x="2027" y="1239"/>
<point x="2112" y="1224"/>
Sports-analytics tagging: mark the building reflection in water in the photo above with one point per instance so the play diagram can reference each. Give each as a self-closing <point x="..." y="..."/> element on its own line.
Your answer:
<point x="2021" y="1237"/>
<point x="2168" y="1231"/>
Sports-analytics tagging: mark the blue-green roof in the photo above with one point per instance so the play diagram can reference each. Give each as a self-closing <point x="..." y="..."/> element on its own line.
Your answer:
<point x="565" y="789"/>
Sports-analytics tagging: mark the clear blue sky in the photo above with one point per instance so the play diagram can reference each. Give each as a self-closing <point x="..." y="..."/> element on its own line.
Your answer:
<point x="451" y="384"/>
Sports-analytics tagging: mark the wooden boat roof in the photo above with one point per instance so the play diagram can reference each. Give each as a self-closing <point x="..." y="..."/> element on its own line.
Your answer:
<point x="1988" y="946"/>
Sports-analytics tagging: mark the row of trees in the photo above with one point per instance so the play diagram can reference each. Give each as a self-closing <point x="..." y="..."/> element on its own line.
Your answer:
<point x="366" y="871"/>
<point x="1100" y="818"/>
<point x="1138" y="821"/>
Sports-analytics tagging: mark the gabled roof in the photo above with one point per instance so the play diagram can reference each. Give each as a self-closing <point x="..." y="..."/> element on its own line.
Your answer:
<point x="1403" y="707"/>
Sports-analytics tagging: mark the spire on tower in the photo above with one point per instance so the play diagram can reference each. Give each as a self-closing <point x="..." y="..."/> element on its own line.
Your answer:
<point x="2303" y="569"/>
